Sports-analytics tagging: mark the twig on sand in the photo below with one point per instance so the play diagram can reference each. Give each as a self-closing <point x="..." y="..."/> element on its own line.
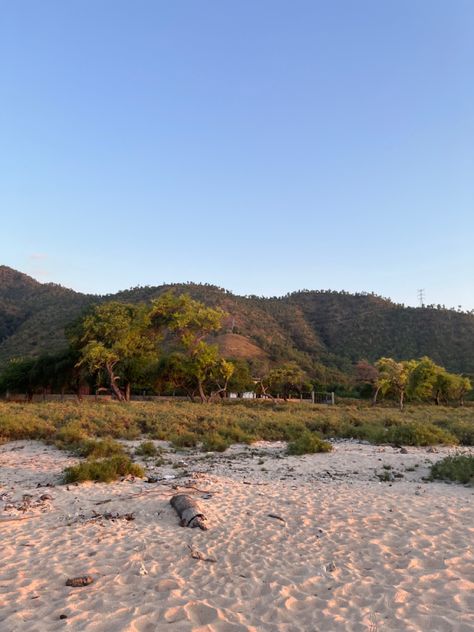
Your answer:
<point x="17" y="519"/>
<point x="197" y="555"/>
<point x="270" y="515"/>
<point x="148" y="492"/>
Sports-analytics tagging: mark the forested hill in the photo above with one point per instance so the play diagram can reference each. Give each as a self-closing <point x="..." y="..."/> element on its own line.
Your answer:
<point x="315" y="328"/>
<point x="33" y="315"/>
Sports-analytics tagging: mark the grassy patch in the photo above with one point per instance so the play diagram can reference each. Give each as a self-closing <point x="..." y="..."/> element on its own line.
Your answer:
<point x="72" y="426"/>
<point x="104" y="471"/>
<point x="184" y="440"/>
<point x="215" y="443"/>
<point x="454" y="468"/>
<point x="147" y="449"/>
<point x="419" y="434"/>
<point x="308" y="443"/>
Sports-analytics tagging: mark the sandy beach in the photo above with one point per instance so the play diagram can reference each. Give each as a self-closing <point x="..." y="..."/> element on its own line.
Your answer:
<point x="312" y="543"/>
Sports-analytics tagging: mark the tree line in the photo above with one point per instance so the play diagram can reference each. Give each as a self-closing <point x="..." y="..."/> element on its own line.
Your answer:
<point x="168" y="347"/>
<point x="415" y="380"/>
<point x="163" y="347"/>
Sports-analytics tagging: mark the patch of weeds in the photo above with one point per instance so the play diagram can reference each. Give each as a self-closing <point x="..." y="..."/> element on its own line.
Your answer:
<point x="308" y="443"/>
<point x="146" y="449"/>
<point x="454" y="468"/>
<point x="215" y="443"/>
<point x="385" y="477"/>
<point x="387" y="466"/>
<point x="185" y="440"/>
<point x="98" y="449"/>
<point x="104" y="471"/>
<point x="419" y="434"/>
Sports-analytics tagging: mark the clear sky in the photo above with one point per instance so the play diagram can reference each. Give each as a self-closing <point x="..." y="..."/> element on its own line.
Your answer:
<point x="261" y="145"/>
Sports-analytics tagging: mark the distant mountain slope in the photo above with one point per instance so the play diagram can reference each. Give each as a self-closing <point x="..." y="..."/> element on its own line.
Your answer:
<point x="313" y="328"/>
<point x="33" y="315"/>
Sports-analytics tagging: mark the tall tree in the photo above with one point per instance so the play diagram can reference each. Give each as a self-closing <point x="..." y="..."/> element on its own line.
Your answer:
<point x="193" y="323"/>
<point x="116" y="337"/>
<point x="393" y="378"/>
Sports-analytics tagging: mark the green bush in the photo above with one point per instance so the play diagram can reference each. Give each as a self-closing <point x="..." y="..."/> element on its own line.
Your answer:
<point x="454" y="468"/>
<point x="215" y="443"/>
<point x="308" y="443"/>
<point x="104" y="471"/>
<point x="146" y="449"/>
<point x="98" y="449"/>
<point x="185" y="440"/>
<point x="419" y="434"/>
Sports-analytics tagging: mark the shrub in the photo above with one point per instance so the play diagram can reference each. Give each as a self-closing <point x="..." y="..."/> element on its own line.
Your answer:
<point x="146" y="449"/>
<point x="454" y="468"/>
<point x="94" y="449"/>
<point x="419" y="434"/>
<point x="185" y="440"/>
<point x="215" y="443"/>
<point x="308" y="443"/>
<point x="104" y="471"/>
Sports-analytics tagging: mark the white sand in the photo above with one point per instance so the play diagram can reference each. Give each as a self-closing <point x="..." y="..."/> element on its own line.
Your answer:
<point x="353" y="553"/>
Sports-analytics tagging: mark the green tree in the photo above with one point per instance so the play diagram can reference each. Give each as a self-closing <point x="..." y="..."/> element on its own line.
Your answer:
<point x="393" y="378"/>
<point x="18" y="377"/>
<point x="192" y="323"/>
<point x="116" y="337"/>
<point x="286" y="379"/>
<point x="422" y="378"/>
<point x="241" y="379"/>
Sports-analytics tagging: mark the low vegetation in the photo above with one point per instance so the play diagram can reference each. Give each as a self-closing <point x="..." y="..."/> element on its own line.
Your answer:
<point x="88" y="429"/>
<point x="308" y="443"/>
<point x="459" y="469"/>
<point x="146" y="449"/>
<point x="103" y="471"/>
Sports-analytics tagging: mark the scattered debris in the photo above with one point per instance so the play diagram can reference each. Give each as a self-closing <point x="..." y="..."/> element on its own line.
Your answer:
<point x="197" y="555"/>
<point x="78" y="582"/>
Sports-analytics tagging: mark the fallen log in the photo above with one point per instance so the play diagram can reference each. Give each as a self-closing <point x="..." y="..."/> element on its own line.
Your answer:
<point x="189" y="512"/>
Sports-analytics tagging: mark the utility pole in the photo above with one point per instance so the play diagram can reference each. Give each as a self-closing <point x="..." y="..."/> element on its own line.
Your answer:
<point x="421" y="297"/>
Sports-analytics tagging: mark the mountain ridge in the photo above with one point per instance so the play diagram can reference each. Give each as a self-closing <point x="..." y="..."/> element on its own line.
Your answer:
<point x="322" y="330"/>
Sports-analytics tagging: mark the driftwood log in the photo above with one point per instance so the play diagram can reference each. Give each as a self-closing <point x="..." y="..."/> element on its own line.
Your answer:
<point x="189" y="511"/>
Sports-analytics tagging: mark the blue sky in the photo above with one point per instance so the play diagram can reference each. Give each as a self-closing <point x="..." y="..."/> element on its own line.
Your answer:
<point x="261" y="145"/>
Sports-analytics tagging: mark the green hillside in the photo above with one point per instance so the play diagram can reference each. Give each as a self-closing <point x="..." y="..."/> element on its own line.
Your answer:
<point x="323" y="331"/>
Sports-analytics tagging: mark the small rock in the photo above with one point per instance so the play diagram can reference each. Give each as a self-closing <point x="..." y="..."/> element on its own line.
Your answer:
<point x="403" y="451"/>
<point x="63" y="616"/>
<point x="46" y="497"/>
<point x="331" y="567"/>
<point x="432" y="450"/>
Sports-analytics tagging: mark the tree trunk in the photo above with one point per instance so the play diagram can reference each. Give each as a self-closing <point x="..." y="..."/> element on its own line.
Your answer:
<point x="113" y="383"/>
<point x="402" y="397"/>
<point x="376" y="394"/>
<point x="189" y="512"/>
<point x="202" y="394"/>
<point x="127" y="391"/>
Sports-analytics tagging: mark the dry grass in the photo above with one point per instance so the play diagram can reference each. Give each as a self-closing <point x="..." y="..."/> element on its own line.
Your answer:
<point x="72" y="425"/>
